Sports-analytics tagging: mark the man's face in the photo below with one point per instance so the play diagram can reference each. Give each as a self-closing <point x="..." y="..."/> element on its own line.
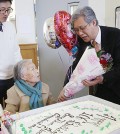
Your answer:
<point x="84" y="30"/>
<point x="30" y="73"/>
<point x="3" y="7"/>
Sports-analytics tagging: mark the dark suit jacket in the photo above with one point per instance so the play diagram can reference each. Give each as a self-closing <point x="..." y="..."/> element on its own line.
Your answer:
<point x="110" y="42"/>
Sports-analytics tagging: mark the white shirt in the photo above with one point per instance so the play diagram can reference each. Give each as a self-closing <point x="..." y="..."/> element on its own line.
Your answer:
<point x="98" y="38"/>
<point x="9" y="51"/>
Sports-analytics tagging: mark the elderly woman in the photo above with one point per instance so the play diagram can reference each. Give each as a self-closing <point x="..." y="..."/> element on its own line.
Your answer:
<point x="28" y="91"/>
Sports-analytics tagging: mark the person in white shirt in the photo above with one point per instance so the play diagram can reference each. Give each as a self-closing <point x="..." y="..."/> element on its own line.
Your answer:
<point x="9" y="50"/>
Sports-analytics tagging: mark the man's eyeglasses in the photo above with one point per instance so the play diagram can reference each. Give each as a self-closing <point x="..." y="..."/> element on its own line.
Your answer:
<point x="9" y="10"/>
<point x="80" y="28"/>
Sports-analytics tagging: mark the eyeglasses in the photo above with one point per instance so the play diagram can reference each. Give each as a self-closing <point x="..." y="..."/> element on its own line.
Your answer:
<point x="9" y="10"/>
<point x="80" y="28"/>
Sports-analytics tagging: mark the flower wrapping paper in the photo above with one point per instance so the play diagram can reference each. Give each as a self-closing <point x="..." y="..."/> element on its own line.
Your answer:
<point x="88" y="68"/>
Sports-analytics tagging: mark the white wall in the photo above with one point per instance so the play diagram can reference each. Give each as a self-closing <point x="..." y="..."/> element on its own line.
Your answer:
<point x="25" y="21"/>
<point x="110" y="6"/>
<point x="99" y="8"/>
<point x="53" y="62"/>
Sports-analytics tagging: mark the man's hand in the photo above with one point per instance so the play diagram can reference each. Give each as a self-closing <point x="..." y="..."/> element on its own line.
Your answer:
<point x="97" y="80"/>
<point x="61" y="96"/>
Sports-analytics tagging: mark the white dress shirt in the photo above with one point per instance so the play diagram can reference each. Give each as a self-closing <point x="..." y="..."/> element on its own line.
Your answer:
<point x="98" y="38"/>
<point x="9" y="51"/>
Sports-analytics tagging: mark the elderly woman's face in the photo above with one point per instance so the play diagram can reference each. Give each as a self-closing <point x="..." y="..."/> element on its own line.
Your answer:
<point x="31" y="73"/>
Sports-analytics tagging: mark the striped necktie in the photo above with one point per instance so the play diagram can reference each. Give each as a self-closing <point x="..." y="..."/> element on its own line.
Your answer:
<point x="96" y="45"/>
<point x="1" y="27"/>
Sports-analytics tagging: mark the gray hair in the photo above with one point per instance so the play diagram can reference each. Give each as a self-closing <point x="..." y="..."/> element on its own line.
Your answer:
<point x="86" y="12"/>
<point x="18" y="68"/>
<point x="6" y="1"/>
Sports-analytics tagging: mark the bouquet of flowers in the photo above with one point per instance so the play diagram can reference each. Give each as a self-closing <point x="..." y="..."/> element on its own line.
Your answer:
<point x="90" y="66"/>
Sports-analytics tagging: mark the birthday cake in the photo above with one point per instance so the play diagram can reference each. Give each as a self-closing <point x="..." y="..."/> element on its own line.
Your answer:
<point x="87" y="117"/>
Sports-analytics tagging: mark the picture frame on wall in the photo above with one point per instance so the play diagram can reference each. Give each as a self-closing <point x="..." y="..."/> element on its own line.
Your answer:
<point x="117" y="17"/>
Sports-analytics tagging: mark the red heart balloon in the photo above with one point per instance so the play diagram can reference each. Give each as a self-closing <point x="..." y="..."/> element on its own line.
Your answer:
<point x="63" y="31"/>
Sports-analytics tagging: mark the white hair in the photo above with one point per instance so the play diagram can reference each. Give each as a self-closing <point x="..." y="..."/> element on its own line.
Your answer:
<point x="19" y="67"/>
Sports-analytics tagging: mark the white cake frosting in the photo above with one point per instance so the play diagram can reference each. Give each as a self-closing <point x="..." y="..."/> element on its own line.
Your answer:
<point x="85" y="117"/>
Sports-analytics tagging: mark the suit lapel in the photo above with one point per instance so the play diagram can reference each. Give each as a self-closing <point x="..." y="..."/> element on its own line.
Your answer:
<point x="103" y="38"/>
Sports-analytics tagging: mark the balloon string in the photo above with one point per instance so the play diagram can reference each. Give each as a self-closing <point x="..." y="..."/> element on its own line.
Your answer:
<point x="61" y="61"/>
<point x="70" y="68"/>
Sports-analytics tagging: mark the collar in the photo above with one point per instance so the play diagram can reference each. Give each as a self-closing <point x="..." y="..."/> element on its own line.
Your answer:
<point x="98" y="37"/>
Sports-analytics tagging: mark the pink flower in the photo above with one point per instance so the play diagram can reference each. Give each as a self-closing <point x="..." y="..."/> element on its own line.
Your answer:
<point x="106" y="60"/>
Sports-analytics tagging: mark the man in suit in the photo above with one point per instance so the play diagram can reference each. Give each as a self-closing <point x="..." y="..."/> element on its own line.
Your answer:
<point x="85" y="25"/>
